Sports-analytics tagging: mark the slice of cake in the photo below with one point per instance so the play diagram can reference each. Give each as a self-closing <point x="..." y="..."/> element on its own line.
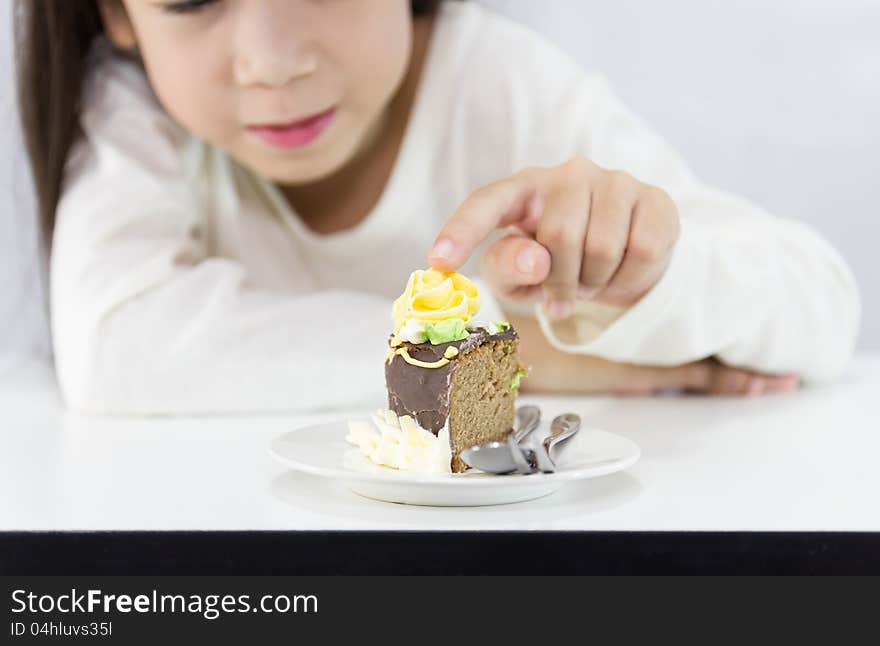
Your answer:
<point x="444" y="370"/>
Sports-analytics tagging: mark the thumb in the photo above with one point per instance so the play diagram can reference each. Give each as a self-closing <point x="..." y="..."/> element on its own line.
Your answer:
<point x="515" y="265"/>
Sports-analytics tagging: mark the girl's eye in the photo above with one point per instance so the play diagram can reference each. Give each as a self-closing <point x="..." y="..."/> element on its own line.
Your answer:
<point x="186" y="6"/>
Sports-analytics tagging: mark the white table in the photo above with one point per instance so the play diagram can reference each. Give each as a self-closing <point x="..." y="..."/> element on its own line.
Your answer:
<point x="802" y="462"/>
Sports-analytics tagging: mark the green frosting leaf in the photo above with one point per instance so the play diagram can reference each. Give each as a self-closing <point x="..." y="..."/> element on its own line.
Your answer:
<point x="514" y="385"/>
<point x="502" y="325"/>
<point x="445" y="331"/>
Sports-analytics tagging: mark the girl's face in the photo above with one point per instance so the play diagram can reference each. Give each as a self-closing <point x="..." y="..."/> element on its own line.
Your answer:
<point x="292" y="89"/>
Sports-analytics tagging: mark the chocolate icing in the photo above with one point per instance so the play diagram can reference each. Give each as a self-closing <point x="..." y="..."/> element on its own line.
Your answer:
<point x="423" y="393"/>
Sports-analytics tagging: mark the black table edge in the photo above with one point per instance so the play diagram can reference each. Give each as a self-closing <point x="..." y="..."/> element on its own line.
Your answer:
<point x="436" y="552"/>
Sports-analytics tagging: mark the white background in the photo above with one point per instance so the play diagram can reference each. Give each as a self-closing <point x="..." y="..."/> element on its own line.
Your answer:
<point x="774" y="99"/>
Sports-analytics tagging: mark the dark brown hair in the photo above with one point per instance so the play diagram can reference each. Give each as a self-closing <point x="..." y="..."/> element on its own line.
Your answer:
<point x="52" y="40"/>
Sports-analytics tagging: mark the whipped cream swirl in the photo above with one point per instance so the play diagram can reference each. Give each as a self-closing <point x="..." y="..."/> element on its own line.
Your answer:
<point x="400" y="443"/>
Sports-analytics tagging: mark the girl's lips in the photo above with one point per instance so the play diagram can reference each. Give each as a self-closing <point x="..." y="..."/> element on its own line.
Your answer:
<point x="295" y="134"/>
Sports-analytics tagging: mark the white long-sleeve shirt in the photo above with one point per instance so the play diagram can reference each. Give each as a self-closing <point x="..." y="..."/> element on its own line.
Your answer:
<point x="180" y="282"/>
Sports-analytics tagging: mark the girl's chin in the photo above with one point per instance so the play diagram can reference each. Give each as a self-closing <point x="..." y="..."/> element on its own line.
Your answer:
<point x="298" y="172"/>
<point x="320" y="160"/>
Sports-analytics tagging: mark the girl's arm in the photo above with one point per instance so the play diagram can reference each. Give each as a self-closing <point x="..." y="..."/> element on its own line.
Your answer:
<point x="552" y="371"/>
<point x="752" y="289"/>
<point x="145" y="326"/>
<point x="198" y="341"/>
<point x="749" y="288"/>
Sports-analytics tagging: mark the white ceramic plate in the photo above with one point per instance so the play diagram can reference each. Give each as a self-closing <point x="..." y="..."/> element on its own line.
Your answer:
<point x="323" y="451"/>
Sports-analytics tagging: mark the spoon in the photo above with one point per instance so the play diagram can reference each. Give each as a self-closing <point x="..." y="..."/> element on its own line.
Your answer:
<point x="501" y="457"/>
<point x="562" y="428"/>
<point x="507" y="457"/>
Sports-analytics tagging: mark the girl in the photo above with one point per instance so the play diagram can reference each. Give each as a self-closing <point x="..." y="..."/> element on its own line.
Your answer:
<point x="235" y="191"/>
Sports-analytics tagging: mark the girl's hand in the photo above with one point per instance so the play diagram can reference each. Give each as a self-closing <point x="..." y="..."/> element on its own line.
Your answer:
<point x="577" y="230"/>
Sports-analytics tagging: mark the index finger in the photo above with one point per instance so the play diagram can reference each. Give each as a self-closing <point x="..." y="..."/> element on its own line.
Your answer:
<point x="501" y="203"/>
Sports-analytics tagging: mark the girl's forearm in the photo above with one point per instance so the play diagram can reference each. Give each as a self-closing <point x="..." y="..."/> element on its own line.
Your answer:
<point x="554" y="371"/>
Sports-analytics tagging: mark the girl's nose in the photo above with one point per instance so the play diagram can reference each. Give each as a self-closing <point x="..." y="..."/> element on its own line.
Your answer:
<point x="274" y="70"/>
<point x="268" y="52"/>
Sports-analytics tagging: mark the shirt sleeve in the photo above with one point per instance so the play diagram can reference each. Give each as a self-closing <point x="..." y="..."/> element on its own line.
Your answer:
<point x="144" y="321"/>
<point x="753" y="289"/>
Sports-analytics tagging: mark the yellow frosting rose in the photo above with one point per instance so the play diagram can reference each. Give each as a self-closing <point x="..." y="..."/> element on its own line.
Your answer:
<point x="433" y="295"/>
